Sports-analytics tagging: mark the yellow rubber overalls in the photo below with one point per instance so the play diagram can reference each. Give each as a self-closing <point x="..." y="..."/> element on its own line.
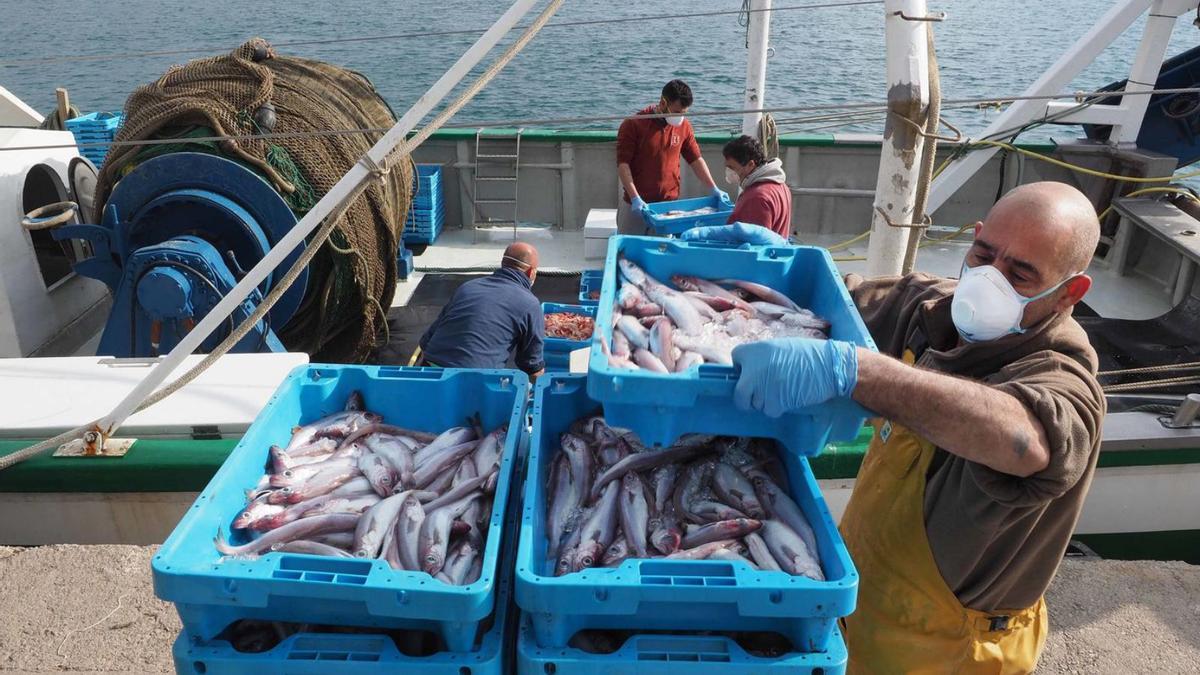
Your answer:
<point x="908" y="620"/>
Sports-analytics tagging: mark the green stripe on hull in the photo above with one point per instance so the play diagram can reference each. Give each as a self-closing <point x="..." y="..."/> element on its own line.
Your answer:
<point x="1177" y="545"/>
<point x="178" y="465"/>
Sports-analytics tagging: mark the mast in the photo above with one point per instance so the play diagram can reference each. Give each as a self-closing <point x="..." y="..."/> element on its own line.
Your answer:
<point x="758" y="37"/>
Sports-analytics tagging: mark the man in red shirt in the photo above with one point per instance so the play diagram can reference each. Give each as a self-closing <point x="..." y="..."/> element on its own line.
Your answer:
<point x="648" y="153"/>
<point x="766" y="199"/>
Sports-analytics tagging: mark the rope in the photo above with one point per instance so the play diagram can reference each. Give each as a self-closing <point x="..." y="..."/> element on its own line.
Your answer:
<point x="428" y="34"/>
<point x="403" y="149"/>
<point x="1170" y="367"/>
<point x="768" y="135"/>
<point x="932" y="120"/>
<point x="1148" y="384"/>
<point x="1075" y="167"/>
<point x="879" y="107"/>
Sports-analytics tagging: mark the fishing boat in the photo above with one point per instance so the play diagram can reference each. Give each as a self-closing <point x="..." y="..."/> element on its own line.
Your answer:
<point x="558" y="189"/>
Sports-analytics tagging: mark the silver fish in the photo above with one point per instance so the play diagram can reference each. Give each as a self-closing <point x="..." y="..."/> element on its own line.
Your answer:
<point x="707" y="511"/>
<point x="762" y="292"/>
<point x="620" y="345"/>
<point x="256" y="510"/>
<point x="629" y="296"/>
<point x="688" y="360"/>
<point x="634" y="332"/>
<point x="434" y="539"/>
<point x="561" y="500"/>
<point x="709" y="288"/>
<point x="396" y="453"/>
<point x="781" y="507"/>
<point x="706" y="312"/>
<point x="373" y="527"/>
<point x="666" y="535"/>
<point x="735" y="489"/>
<point x="311" y="548"/>
<point x="318" y="447"/>
<point x="712" y="351"/>
<point x="443" y="482"/>
<point x="631" y="272"/>
<point x="598" y="531"/>
<point x="790" y="551"/>
<point x="465" y="555"/>
<point x="582" y="465"/>
<point x="489" y="455"/>
<point x="701" y="552"/>
<point x="731" y="556"/>
<point x="685" y="448"/>
<point x="677" y="306"/>
<point x="617" y="552"/>
<point x="322" y="483"/>
<point x="379" y="472"/>
<point x="635" y="514"/>
<point x="408" y="533"/>
<point x="448" y="438"/>
<point x="300" y="529"/>
<point x="352" y="505"/>
<point x="435" y="464"/>
<point x="457" y="492"/>
<point x="761" y="553"/>
<point x="342" y="540"/>
<point x="303" y="473"/>
<point x="695" y="477"/>
<point x="722" y="529"/>
<point x="661" y="344"/>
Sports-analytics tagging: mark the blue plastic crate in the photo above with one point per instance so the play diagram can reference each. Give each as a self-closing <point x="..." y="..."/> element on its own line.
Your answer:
<point x="96" y="121"/>
<point x="427" y="186"/>
<point x="671" y="595"/>
<point x="589" y="283"/>
<point x="660" y="225"/>
<point x="673" y="654"/>
<point x="557" y="351"/>
<point x="423" y="226"/>
<point x="210" y="593"/>
<point x="653" y="404"/>
<point x="425" y="216"/>
<point x="364" y="654"/>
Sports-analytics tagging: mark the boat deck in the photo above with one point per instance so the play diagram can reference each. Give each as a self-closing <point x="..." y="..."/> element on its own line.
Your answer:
<point x="92" y="608"/>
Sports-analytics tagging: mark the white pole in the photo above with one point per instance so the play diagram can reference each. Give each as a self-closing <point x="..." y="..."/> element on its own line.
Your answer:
<point x="311" y="220"/>
<point x="1085" y="50"/>
<point x="899" y="159"/>
<point x="759" y="36"/>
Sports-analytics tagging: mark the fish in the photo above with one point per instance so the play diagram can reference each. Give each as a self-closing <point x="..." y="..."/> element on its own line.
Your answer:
<point x="395" y="453"/>
<point x="634" y="512"/>
<point x="310" y="547"/>
<point x="629" y="296"/>
<point x="488" y="456"/>
<point x="648" y="311"/>
<point x="561" y="500"/>
<point x="762" y="292"/>
<point x="435" y="464"/>
<point x="300" y="529"/>
<point x="342" y="540"/>
<point x="448" y="438"/>
<point x="301" y="474"/>
<point x="401" y="433"/>
<point x="730" y="555"/>
<point x="761" y="553"/>
<point x="677" y="306"/>
<point x="375" y="523"/>
<point x="710" y="289"/>
<point x="582" y="465"/>
<point x="735" y="489"/>
<point x="720" y="530"/>
<point x="379" y="472"/>
<point x="781" y="507"/>
<point x="434" y="540"/>
<point x="256" y="510"/>
<point x="634" y="332"/>
<point x="457" y="492"/>
<point x="694" y="478"/>
<point x="322" y="483"/>
<point x="617" y="553"/>
<point x="649" y="361"/>
<point x="706" y="311"/>
<point x="685" y="448"/>
<point x="598" y="531"/>
<point x="320" y="447"/>
<point x="790" y="551"/>
<point x="631" y="272"/>
<point x="661" y="345"/>
<point x="620" y="345"/>
<point x="688" y="360"/>
<point x="712" y="352"/>
<point x="666" y="535"/>
<point x="408" y="533"/>
<point x="460" y="563"/>
<point x="701" y="552"/>
<point x="710" y="511"/>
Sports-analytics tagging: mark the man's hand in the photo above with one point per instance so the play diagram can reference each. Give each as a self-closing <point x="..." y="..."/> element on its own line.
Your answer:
<point x="721" y="195"/>
<point x="737" y="233"/>
<point x="787" y="374"/>
<point x="637" y="205"/>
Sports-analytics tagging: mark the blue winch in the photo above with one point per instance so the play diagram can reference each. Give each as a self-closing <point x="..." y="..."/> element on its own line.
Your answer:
<point x="177" y="234"/>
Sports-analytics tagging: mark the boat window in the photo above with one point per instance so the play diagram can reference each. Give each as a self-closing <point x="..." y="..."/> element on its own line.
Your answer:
<point x="44" y="186"/>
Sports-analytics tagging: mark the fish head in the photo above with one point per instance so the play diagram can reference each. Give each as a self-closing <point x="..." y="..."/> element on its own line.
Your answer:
<point x="565" y="563"/>
<point x="589" y="554"/>
<point x="666" y="540"/>
<point x="433" y="561"/>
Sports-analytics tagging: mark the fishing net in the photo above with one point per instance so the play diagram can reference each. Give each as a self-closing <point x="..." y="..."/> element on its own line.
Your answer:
<point x="253" y="90"/>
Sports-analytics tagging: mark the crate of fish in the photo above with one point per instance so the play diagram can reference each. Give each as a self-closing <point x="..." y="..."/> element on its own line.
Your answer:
<point x="670" y="314"/>
<point x="568" y="327"/>
<point x="683" y="214"/>
<point x="623" y="652"/>
<point x="360" y="496"/>
<point x="427" y="186"/>
<point x="255" y="647"/>
<point x="589" y="286"/>
<point x="712" y="533"/>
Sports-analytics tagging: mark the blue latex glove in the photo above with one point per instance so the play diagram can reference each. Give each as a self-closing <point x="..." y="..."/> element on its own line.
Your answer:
<point x="637" y="205"/>
<point x="721" y="195"/>
<point x="738" y="233"/>
<point x="786" y="374"/>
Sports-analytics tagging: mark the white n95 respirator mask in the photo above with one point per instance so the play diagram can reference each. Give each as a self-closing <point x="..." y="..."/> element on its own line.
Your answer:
<point x="674" y="120"/>
<point x="731" y="176"/>
<point x="986" y="306"/>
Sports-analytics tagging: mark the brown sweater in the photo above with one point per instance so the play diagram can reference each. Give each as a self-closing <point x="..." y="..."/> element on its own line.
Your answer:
<point x="997" y="538"/>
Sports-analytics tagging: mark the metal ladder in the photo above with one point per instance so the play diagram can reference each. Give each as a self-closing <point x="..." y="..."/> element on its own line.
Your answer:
<point x="488" y="195"/>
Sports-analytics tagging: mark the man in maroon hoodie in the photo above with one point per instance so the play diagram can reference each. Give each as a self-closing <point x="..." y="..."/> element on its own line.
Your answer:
<point x="766" y="199"/>
<point x="648" y="154"/>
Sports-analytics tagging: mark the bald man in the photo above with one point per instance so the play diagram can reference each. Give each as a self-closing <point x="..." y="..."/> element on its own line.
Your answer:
<point x="490" y="319"/>
<point x="985" y="444"/>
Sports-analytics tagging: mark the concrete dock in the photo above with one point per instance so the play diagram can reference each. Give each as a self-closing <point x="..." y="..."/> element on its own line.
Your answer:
<point x="92" y="609"/>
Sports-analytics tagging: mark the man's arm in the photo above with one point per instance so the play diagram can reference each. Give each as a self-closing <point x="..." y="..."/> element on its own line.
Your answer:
<point x="966" y="418"/>
<point x="626" y="177"/>
<point x="700" y="168"/>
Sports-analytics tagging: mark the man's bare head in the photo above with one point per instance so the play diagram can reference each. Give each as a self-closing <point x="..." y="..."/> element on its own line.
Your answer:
<point x="1037" y="235"/>
<point x="522" y="257"/>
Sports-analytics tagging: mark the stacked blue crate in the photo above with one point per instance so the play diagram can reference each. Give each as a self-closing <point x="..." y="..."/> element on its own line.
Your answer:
<point x="92" y="129"/>
<point x="427" y="215"/>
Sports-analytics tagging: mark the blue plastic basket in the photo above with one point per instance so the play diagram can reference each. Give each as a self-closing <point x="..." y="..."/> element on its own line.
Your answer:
<point x="656" y="405"/>
<point x="210" y="593"/>
<point x="427" y="186"/>
<point x="97" y="127"/>
<point x="661" y="225"/>
<point x="423" y="226"/>
<point x="673" y="654"/>
<point x="589" y="283"/>
<point x="364" y="654"/>
<point x="557" y="351"/>
<point x="671" y="595"/>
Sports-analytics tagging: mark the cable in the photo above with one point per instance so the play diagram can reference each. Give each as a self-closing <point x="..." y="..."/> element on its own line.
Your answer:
<point x="596" y="118"/>
<point x="1082" y="169"/>
<point x="852" y="240"/>
<point x="1165" y="368"/>
<point x="446" y="33"/>
<point x="1155" y="190"/>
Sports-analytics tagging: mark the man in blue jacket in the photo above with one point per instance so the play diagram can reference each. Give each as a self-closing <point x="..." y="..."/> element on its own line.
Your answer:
<point x="491" y="318"/>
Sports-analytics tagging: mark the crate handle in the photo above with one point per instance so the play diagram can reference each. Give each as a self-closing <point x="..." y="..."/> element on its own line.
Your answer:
<point x="687" y="573"/>
<point x="341" y="648"/>
<point x="673" y="651"/>
<point x="407" y="373"/>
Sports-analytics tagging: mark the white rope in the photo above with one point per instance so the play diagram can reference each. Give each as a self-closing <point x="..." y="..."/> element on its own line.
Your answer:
<point x="76" y="631"/>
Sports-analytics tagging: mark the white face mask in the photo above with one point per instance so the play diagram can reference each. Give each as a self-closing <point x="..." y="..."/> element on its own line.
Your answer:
<point x="674" y="120"/>
<point x="986" y="306"/>
<point x="731" y="176"/>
